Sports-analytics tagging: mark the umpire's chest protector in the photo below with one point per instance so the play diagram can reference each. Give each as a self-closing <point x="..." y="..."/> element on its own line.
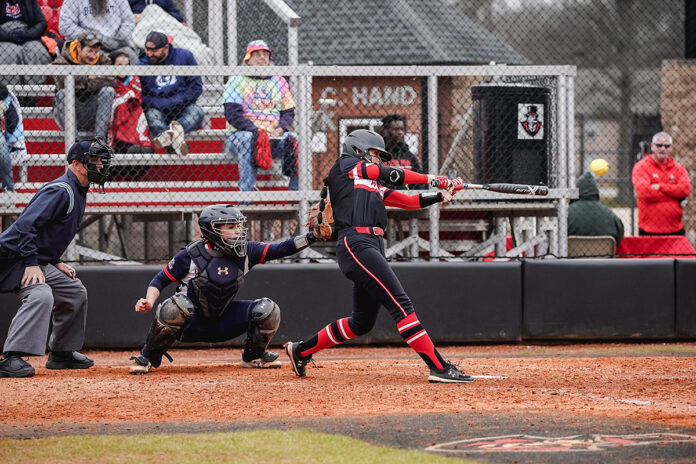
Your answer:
<point x="218" y="281"/>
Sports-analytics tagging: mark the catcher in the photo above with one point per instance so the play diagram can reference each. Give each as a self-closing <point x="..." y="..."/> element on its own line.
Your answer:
<point x="358" y="200"/>
<point x="209" y="273"/>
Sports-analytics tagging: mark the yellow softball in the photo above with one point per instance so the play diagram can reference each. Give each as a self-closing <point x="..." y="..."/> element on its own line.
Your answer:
<point x="599" y="166"/>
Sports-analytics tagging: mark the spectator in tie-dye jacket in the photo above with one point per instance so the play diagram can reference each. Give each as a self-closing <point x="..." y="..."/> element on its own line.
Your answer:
<point x="254" y="104"/>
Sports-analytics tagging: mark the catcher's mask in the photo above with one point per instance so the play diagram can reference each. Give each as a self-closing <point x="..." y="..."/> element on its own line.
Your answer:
<point x="359" y="143"/>
<point x="96" y="157"/>
<point x="212" y="221"/>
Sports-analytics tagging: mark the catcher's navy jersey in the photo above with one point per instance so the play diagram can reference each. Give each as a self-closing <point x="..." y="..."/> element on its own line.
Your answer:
<point x="357" y="200"/>
<point x="228" y="270"/>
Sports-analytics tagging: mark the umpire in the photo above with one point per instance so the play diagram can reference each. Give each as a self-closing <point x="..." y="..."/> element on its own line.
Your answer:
<point x="30" y="266"/>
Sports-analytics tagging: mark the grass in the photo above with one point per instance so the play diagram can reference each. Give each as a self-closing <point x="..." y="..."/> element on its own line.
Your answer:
<point x="253" y="447"/>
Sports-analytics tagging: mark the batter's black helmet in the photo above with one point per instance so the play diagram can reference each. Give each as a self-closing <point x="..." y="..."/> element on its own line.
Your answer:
<point x="360" y="141"/>
<point x="210" y="220"/>
<point x="96" y="156"/>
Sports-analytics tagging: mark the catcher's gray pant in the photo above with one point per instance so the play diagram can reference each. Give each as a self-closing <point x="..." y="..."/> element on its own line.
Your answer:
<point x="62" y="300"/>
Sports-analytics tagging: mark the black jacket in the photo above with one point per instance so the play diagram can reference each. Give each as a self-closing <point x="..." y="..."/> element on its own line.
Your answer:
<point x="32" y="16"/>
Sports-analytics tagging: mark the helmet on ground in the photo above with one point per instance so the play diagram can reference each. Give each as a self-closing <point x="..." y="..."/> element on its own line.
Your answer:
<point x="96" y="155"/>
<point x="359" y="141"/>
<point x="212" y="219"/>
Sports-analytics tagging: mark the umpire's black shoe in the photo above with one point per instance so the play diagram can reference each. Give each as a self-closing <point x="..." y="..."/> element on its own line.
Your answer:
<point x="297" y="362"/>
<point x="449" y="374"/>
<point x="14" y="366"/>
<point x="68" y="360"/>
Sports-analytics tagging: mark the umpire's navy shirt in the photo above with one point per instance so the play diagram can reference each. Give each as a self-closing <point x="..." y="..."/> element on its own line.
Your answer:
<point x="50" y="221"/>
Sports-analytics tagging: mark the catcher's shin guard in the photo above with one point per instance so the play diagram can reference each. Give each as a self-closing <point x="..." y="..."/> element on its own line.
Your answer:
<point x="264" y="319"/>
<point x="171" y="315"/>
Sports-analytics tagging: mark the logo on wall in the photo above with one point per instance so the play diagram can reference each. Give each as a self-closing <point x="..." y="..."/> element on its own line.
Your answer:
<point x="531" y="117"/>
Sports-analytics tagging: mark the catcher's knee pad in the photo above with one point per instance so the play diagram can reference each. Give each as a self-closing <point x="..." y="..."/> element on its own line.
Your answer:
<point x="264" y="319"/>
<point x="170" y="317"/>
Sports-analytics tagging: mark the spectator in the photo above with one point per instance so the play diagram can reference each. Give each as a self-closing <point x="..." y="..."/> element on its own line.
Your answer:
<point x="113" y="19"/>
<point x="587" y="216"/>
<point x="393" y="131"/>
<point x="256" y="107"/>
<point x="22" y="23"/>
<point x="53" y="298"/>
<point x="661" y="184"/>
<point x="170" y="101"/>
<point x="12" y="141"/>
<point x="137" y="7"/>
<point x="94" y="95"/>
<point x="128" y="131"/>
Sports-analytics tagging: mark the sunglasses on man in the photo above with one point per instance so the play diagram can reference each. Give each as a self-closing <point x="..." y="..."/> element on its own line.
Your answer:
<point x="663" y="145"/>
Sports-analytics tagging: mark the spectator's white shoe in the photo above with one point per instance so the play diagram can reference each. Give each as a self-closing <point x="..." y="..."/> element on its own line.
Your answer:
<point x="178" y="141"/>
<point x="164" y="139"/>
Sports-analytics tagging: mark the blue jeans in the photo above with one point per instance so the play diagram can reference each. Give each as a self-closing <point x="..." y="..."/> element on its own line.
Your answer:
<point x="190" y="119"/>
<point x="5" y="165"/>
<point x="239" y="143"/>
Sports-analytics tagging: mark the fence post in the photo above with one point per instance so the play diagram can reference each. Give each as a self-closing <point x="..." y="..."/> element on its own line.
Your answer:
<point x="215" y="41"/>
<point x="434" y="212"/>
<point x="70" y="128"/>
<point x="231" y="32"/>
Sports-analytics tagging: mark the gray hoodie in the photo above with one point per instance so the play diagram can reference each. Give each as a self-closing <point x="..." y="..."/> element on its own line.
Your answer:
<point x="115" y="25"/>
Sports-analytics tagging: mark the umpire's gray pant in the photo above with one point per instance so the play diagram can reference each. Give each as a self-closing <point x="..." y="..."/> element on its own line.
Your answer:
<point x="61" y="300"/>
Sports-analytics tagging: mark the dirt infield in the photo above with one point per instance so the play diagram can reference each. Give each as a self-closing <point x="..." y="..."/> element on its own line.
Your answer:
<point x="653" y="383"/>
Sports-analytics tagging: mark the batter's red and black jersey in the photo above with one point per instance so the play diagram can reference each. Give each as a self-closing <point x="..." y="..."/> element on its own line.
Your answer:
<point x="357" y="200"/>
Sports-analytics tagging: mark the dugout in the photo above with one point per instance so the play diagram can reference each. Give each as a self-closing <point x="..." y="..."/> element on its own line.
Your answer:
<point x="511" y="133"/>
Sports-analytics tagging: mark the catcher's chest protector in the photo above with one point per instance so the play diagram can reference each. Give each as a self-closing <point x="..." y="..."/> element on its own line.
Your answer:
<point x="218" y="282"/>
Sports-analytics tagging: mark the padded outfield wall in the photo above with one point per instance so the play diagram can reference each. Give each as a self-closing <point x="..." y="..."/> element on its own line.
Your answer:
<point x="456" y="302"/>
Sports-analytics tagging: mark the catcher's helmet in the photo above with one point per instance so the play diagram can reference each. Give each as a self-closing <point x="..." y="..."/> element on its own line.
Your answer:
<point x="93" y="153"/>
<point x="214" y="216"/>
<point x="360" y="141"/>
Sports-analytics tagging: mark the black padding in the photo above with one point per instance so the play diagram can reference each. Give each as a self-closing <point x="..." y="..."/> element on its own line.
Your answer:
<point x="685" y="270"/>
<point x="454" y="301"/>
<point x="598" y="299"/>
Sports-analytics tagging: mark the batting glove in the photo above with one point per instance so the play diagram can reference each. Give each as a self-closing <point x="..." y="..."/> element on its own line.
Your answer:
<point x="441" y="182"/>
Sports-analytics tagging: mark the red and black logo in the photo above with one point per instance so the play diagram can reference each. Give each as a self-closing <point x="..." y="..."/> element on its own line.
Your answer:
<point x="531" y="123"/>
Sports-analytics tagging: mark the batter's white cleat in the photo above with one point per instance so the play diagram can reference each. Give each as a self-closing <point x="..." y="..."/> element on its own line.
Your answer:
<point x="449" y="374"/>
<point x="269" y="360"/>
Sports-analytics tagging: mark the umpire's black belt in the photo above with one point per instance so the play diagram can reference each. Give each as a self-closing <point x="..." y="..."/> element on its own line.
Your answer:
<point x="370" y="230"/>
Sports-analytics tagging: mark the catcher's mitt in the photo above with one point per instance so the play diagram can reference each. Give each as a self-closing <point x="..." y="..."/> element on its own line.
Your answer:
<point x="321" y="220"/>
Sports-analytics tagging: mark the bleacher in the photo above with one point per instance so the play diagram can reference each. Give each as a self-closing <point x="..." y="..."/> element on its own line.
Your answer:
<point x="161" y="182"/>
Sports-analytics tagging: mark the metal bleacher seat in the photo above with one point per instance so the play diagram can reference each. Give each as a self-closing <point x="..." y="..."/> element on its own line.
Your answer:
<point x="601" y="246"/>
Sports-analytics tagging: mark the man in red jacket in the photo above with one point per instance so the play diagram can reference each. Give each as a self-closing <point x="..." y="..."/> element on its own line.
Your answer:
<point x="661" y="184"/>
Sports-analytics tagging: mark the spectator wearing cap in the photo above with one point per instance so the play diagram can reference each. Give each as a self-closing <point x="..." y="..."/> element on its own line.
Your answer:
<point x="30" y="266"/>
<point x="94" y="95"/>
<point x="137" y="6"/>
<point x="256" y="107"/>
<point x="394" y="131"/>
<point x="170" y="101"/>
<point x="22" y="23"/>
<point x="112" y="19"/>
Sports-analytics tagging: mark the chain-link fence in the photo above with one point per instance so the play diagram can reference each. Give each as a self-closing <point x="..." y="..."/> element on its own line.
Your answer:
<point x="262" y="93"/>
